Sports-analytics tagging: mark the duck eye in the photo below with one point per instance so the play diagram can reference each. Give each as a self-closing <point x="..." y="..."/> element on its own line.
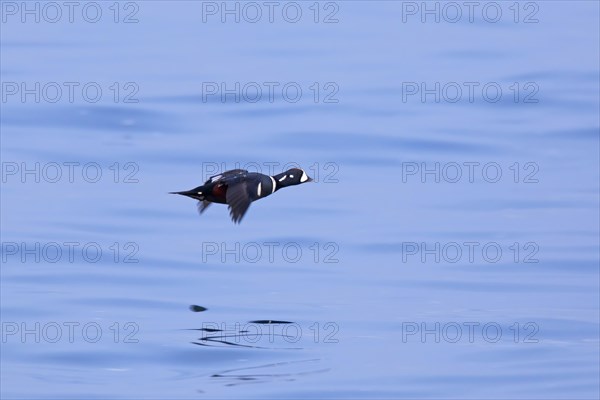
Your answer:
<point x="291" y="176"/>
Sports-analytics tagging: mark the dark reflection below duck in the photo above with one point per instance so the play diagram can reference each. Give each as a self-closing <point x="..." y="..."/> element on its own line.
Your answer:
<point x="261" y="374"/>
<point x="222" y="335"/>
<point x="257" y="334"/>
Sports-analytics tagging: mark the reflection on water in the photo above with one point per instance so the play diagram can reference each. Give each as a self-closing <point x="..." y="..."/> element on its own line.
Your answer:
<point x="196" y="308"/>
<point x="262" y="374"/>
<point x="250" y="334"/>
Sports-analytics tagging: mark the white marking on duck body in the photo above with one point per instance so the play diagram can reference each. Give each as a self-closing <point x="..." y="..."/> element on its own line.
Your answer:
<point x="274" y="184"/>
<point x="304" y="177"/>
<point x="282" y="178"/>
<point x="259" y="188"/>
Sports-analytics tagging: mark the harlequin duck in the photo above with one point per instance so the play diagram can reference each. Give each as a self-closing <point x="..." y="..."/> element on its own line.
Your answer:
<point x="238" y="188"/>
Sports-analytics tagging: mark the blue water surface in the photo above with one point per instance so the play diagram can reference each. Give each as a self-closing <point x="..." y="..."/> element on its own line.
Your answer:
<point x="449" y="247"/>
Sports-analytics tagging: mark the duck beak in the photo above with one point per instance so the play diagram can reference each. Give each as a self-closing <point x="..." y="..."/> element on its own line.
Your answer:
<point x="305" y="178"/>
<point x="189" y="193"/>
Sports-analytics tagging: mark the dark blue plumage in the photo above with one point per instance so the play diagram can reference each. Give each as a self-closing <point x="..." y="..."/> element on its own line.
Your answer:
<point x="238" y="188"/>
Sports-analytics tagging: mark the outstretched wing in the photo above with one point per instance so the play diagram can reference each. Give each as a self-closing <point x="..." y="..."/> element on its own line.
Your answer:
<point x="202" y="206"/>
<point x="226" y="174"/>
<point x="238" y="201"/>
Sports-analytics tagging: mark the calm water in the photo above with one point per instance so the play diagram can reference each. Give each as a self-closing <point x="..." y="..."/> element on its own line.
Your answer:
<point x="449" y="248"/>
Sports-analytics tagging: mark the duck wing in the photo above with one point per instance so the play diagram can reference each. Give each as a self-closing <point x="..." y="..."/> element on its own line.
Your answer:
<point x="226" y="175"/>
<point x="238" y="200"/>
<point x="203" y="205"/>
